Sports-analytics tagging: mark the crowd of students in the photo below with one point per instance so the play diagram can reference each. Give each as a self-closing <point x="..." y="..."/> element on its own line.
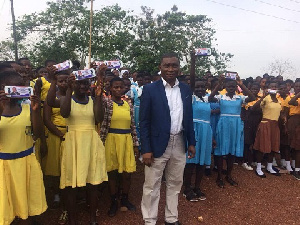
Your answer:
<point x="81" y="133"/>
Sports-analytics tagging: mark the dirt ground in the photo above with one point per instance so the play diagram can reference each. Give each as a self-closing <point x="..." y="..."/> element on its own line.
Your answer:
<point x="273" y="200"/>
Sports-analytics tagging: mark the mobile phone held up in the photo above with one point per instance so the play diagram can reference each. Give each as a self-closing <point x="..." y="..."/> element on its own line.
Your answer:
<point x="18" y="91"/>
<point x="231" y="75"/>
<point x="202" y="51"/>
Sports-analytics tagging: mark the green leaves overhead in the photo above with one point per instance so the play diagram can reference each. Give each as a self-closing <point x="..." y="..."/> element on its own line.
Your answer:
<point x="61" y="32"/>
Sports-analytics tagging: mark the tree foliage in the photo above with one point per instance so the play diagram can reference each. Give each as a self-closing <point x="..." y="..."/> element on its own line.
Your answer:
<point x="282" y="67"/>
<point x="61" y="32"/>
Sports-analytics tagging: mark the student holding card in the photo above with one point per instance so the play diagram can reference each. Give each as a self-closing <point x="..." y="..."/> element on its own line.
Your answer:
<point x="118" y="133"/>
<point x="230" y="129"/>
<point x="267" y="139"/>
<point x="22" y="192"/>
<point x="83" y="154"/>
<point x="56" y="126"/>
<point x="203" y="135"/>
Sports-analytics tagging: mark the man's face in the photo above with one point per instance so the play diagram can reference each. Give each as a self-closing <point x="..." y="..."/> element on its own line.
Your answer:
<point x="169" y="68"/>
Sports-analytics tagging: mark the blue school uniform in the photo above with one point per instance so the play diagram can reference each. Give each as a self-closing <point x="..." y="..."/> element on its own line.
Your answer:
<point x="203" y="131"/>
<point x="230" y="128"/>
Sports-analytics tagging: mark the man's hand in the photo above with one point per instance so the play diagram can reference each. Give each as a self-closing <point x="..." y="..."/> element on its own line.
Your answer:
<point x="191" y="151"/>
<point x="148" y="159"/>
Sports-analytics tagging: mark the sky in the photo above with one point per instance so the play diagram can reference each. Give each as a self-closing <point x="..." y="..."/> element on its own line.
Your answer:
<point x="256" y="32"/>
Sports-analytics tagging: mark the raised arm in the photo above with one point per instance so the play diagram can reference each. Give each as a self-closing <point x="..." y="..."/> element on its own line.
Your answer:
<point x="294" y="101"/>
<point x="65" y="101"/>
<point x="246" y="91"/>
<point x="98" y="102"/>
<point x="51" y="96"/>
<point x="47" y="113"/>
<point x="36" y="118"/>
<point x="211" y="97"/>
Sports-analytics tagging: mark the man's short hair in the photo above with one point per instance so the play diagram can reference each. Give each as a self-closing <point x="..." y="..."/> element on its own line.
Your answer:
<point x="169" y="55"/>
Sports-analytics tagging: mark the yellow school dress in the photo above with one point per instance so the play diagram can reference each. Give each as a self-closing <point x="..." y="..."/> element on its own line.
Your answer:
<point x="44" y="92"/>
<point x="51" y="162"/>
<point x="22" y="191"/>
<point x="119" y="144"/>
<point x="83" y="154"/>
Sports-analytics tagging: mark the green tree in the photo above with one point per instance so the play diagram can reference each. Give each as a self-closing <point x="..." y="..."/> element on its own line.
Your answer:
<point x="174" y="31"/>
<point x="61" y="32"/>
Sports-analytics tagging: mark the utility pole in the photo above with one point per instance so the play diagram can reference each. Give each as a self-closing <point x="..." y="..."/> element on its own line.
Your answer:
<point x="14" y="30"/>
<point x="91" y="27"/>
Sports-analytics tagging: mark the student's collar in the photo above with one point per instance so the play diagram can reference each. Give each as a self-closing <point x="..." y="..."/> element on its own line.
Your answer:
<point x="165" y="83"/>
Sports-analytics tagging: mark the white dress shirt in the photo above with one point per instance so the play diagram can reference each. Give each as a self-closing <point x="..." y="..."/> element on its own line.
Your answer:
<point x="175" y="105"/>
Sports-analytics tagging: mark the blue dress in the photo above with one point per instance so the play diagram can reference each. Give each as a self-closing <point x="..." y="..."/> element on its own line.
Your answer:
<point x="230" y="128"/>
<point x="203" y="132"/>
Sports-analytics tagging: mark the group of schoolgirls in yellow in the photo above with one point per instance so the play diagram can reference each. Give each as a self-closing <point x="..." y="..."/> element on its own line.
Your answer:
<point x="76" y="156"/>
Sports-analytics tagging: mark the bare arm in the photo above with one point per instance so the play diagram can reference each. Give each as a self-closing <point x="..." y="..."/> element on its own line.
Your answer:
<point x="47" y="112"/>
<point x="294" y="101"/>
<point x="65" y="101"/>
<point x="65" y="106"/>
<point x="246" y="91"/>
<point x="38" y="87"/>
<point x="98" y="102"/>
<point x="51" y="97"/>
<point x="36" y="118"/>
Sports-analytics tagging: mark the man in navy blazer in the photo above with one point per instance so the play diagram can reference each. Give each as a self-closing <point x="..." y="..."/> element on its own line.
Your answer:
<point x="167" y="133"/>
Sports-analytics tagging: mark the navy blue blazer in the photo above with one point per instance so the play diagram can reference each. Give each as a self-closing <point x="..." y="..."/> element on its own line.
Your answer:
<point x="155" y="119"/>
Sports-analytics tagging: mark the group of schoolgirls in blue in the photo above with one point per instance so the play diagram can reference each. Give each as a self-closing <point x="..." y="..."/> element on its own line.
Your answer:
<point x="218" y="130"/>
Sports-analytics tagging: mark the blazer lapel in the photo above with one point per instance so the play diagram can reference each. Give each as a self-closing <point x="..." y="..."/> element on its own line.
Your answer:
<point x="183" y="95"/>
<point x="162" y="93"/>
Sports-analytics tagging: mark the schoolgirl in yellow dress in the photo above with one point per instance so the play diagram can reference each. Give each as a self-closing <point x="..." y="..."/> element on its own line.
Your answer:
<point x="56" y="126"/>
<point x="118" y="133"/>
<point x="22" y="192"/>
<point x="83" y="154"/>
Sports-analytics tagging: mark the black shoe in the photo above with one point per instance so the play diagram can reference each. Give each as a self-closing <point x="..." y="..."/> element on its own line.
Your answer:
<point x="275" y="169"/>
<point x="207" y="172"/>
<point x="125" y="204"/>
<point x="190" y="195"/>
<point x="220" y="183"/>
<point x="231" y="181"/>
<point x="93" y="223"/>
<point x="113" y="207"/>
<point x="275" y="174"/>
<point x="176" y="223"/>
<point x="296" y="175"/>
<point x="261" y="176"/>
<point x="199" y="194"/>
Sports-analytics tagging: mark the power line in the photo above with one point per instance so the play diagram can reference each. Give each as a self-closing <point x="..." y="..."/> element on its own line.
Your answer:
<point x="295" y="1"/>
<point x="248" y="10"/>
<point x="279" y="6"/>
